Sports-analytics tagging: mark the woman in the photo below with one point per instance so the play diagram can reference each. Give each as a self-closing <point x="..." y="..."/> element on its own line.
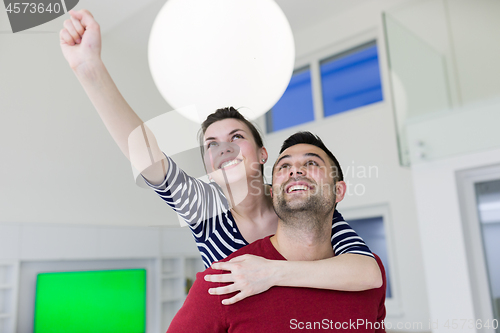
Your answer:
<point x="222" y="217"/>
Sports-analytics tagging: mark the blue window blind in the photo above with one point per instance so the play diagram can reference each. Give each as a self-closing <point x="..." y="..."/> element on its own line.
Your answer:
<point x="295" y="107"/>
<point x="373" y="233"/>
<point x="351" y="79"/>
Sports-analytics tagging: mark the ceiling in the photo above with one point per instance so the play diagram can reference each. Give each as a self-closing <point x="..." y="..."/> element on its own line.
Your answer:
<point x="300" y="13"/>
<point x="305" y="13"/>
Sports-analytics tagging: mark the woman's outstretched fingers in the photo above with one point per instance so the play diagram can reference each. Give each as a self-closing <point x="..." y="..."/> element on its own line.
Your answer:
<point x="249" y="274"/>
<point x="236" y="298"/>
<point x="219" y="278"/>
<point x="222" y="290"/>
<point x="223" y="266"/>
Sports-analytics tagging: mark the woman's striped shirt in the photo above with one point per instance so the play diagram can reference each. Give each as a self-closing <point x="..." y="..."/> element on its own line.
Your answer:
<point x="206" y="210"/>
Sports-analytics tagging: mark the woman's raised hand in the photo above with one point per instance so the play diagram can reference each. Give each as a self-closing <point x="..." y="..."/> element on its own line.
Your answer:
<point x="249" y="274"/>
<point x="81" y="46"/>
<point x="80" y="39"/>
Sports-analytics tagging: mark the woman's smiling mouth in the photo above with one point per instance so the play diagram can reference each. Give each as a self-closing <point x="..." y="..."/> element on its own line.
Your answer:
<point x="229" y="163"/>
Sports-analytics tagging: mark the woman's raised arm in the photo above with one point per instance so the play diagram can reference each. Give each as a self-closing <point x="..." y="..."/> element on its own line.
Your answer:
<point x="81" y="46"/>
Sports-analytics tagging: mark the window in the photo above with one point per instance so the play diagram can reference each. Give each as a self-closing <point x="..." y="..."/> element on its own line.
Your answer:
<point x="295" y="106"/>
<point x="351" y="79"/>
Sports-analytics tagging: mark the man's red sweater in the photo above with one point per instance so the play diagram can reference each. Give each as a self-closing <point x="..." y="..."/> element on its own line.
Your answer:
<point x="280" y="309"/>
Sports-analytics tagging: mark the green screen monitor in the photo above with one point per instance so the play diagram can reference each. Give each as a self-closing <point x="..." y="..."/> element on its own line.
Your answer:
<point x="91" y="301"/>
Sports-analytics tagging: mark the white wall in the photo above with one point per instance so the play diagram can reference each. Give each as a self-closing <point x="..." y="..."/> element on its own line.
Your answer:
<point x="58" y="163"/>
<point x="475" y="27"/>
<point x="441" y="230"/>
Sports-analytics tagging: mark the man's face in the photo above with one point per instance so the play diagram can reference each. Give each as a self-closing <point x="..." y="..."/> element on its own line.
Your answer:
<point x="303" y="181"/>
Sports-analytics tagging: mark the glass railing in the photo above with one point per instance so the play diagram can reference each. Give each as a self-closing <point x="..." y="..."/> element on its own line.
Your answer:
<point x="445" y="77"/>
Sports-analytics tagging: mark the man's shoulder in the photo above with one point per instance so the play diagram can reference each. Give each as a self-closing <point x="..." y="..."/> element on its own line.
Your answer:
<point x="381" y="266"/>
<point x="262" y="247"/>
<point x="381" y="291"/>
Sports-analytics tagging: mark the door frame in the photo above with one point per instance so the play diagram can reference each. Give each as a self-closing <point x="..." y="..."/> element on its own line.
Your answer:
<point x="481" y="295"/>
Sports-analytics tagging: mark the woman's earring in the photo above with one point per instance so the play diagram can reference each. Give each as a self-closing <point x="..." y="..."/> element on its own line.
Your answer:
<point x="263" y="160"/>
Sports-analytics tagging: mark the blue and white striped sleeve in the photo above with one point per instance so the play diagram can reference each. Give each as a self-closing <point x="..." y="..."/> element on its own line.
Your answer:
<point x="345" y="239"/>
<point x="193" y="199"/>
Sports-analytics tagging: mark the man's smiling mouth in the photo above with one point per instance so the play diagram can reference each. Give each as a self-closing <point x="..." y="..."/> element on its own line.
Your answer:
<point x="298" y="187"/>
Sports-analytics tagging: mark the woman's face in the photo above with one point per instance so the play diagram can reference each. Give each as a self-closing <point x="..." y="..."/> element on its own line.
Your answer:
<point x="231" y="152"/>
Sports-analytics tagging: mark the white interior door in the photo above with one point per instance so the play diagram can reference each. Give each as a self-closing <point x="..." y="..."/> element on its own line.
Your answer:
<point x="479" y="194"/>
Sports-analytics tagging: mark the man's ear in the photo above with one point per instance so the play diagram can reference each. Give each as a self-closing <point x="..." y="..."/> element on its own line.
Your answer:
<point x="271" y="191"/>
<point x="340" y="190"/>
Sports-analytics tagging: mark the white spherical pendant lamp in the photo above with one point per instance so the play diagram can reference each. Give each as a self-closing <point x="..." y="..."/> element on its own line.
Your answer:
<point x="210" y="54"/>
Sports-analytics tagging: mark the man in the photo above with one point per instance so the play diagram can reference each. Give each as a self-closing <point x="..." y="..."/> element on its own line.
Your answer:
<point x="307" y="185"/>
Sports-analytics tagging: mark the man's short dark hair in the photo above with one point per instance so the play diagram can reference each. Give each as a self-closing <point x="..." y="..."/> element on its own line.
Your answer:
<point x="311" y="139"/>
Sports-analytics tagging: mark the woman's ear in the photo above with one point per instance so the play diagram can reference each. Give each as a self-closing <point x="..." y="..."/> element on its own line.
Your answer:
<point x="263" y="155"/>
